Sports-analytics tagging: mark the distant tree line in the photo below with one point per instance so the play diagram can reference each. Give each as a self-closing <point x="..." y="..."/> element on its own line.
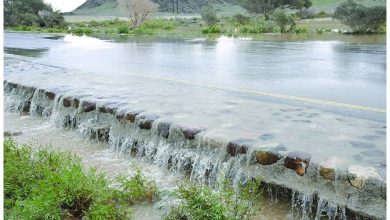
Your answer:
<point x="30" y="12"/>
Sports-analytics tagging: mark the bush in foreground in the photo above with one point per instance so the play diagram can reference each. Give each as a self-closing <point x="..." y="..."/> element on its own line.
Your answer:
<point x="45" y="184"/>
<point x="201" y="202"/>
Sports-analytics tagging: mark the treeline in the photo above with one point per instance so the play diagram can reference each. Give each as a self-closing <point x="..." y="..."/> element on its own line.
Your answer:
<point x="30" y="13"/>
<point x="263" y="16"/>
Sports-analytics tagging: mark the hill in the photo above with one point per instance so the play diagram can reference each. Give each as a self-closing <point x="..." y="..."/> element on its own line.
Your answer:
<point x="109" y="7"/>
<point x="226" y="7"/>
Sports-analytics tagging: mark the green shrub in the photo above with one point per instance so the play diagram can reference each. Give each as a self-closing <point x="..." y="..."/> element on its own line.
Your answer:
<point x="302" y="30"/>
<point x="123" y="29"/>
<point x="241" y="19"/>
<point x="359" y="18"/>
<point x="284" y="20"/>
<point x="88" y="31"/>
<point x="45" y="184"/>
<point x="78" y="31"/>
<point x="211" y="30"/>
<point x="260" y="25"/>
<point x="209" y="16"/>
<point x="200" y="202"/>
<point x="322" y="14"/>
<point x="137" y="188"/>
<point x="163" y="24"/>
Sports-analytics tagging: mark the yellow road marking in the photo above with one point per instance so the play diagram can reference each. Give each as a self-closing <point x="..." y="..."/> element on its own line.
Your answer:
<point x="275" y="95"/>
<point x="259" y="93"/>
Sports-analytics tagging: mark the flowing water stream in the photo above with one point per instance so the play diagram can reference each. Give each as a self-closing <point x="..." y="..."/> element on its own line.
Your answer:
<point x="210" y="111"/>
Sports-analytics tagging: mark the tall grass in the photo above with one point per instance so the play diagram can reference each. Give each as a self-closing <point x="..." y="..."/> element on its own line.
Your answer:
<point x="46" y="184"/>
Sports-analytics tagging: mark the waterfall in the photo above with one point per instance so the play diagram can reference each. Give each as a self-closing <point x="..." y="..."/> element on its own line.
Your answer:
<point x="188" y="151"/>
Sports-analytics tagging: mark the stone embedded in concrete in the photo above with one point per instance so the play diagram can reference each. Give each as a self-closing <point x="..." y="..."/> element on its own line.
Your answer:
<point x="66" y="102"/>
<point x="76" y="102"/>
<point x="102" y="109"/>
<point x="145" y="121"/>
<point x="131" y="115"/>
<point x="88" y="106"/>
<point x="297" y="161"/>
<point x="327" y="173"/>
<point x="112" y="110"/>
<point x="266" y="157"/>
<point x="191" y="132"/>
<point x="107" y="108"/>
<point x="51" y="95"/>
<point x="358" y="176"/>
<point x="119" y="114"/>
<point x="163" y="129"/>
<point x="239" y="146"/>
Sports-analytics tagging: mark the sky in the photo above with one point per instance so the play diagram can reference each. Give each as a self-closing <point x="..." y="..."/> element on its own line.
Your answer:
<point x="65" y="5"/>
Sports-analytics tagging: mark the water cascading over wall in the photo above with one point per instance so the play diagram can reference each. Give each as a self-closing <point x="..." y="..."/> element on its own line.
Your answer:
<point x="315" y="191"/>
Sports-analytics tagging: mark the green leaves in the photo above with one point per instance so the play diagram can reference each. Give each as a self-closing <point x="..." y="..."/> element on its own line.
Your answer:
<point x="201" y="202"/>
<point x="360" y="18"/>
<point x="47" y="184"/>
<point x="137" y="188"/>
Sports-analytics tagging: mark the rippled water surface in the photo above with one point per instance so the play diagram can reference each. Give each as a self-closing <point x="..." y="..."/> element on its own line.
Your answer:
<point x="352" y="73"/>
<point x="326" y="98"/>
<point x="188" y="82"/>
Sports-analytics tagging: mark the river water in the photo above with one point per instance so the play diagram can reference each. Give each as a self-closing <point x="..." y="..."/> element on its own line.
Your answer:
<point x="319" y="97"/>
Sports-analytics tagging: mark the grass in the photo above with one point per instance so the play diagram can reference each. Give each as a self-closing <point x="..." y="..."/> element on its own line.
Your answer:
<point x="201" y="202"/>
<point x="46" y="184"/>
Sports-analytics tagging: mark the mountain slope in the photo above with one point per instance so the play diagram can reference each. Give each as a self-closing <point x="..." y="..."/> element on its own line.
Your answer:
<point x="184" y="6"/>
<point x="227" y="7"/>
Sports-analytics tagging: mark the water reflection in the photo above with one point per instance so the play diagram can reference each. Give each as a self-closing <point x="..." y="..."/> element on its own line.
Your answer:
<point x="26" y="52"/>
<point x="298" y="68"/>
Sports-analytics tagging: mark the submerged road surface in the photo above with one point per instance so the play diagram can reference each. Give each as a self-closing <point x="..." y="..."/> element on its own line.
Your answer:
<point x="315" y="104"/>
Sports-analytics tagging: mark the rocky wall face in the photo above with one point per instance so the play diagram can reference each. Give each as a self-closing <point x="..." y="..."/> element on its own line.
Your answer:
<point x="190" y="149"/>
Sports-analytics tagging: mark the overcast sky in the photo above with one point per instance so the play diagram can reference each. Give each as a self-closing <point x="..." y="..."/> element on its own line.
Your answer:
<point x="65" y="5"/>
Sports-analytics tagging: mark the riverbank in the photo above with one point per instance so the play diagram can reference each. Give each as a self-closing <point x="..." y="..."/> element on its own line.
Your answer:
<point x="193" y="27"/>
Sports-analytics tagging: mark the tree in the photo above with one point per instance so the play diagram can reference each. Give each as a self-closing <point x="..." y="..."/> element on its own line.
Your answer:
<point x="359" y="18"/>
<point x="209" y="16"/>
<point x="300" y="4"/>
<point x="266" y="7"/>
<point x="26" y="12"/>
<point x="137" y="10"/>
<point x="283" y="20"/>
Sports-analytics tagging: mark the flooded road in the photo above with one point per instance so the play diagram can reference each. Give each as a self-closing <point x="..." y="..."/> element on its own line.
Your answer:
<point x="221" y="104"/>
<point x="338" y="71"/>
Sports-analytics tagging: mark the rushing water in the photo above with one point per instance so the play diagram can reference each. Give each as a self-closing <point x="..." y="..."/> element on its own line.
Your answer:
<point x="39" y="132"/>
<point x="225" y="91"/>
